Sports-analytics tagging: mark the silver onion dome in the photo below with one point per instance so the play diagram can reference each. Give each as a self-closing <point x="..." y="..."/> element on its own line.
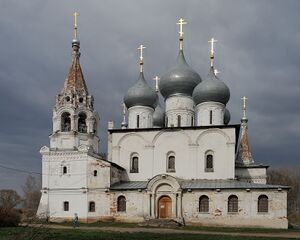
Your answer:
<point x="227" y="116"/>
<point x="211" y="90"/>
<point x="140" y="94"/>
<point x="181" y="79"/>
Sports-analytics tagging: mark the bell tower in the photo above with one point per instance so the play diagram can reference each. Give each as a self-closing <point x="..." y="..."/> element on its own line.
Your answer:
<point x="75" y="122"/>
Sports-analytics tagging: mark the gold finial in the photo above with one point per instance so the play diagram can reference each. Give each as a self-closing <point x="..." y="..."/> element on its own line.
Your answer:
<point x="75" y="14"/>
<point x="156" y="79"/>
<point x="216" y="72"/>
<point x="141" y="48"/>
<point x="244" y="104"/>
<point x="212" y="51"/>
<point x="181" y="22"/>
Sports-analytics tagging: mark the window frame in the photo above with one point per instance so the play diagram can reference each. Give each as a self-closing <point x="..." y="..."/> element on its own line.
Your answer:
<point x="206" y="168"/>
<point x="121" y="200"/>
<point x="204" y="205"/>
<point x="92" y="206"/>
<point x="66" y="206"/>
<point x="132" y="167"/>
<point x="171" y="155"/>
<point x="261" y="209"/>
<point x="95" y="173"/>
<point x="233" y="204"/>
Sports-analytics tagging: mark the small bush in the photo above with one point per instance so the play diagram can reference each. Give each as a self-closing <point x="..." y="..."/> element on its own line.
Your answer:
<point x="10" y="219"/>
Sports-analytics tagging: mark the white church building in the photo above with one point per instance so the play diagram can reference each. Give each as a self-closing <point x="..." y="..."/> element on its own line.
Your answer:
<point x="183" y="161"/>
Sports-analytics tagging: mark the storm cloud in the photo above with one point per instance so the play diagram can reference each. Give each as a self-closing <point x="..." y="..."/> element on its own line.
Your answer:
<point x="257" y="53"/>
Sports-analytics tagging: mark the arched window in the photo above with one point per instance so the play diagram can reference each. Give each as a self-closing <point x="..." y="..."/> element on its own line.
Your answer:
<point x="192" y="121"/>
<point x="91" y="206"/>
<point x="210" y="117"/>
<point x="134" y="164"/>
<point x="179" y="121"/>
<point x="166" y="121"/>
<point x="138" y="121"/>
<point x="82" y="128"/>
<point x="233" y="204"/>
<point x="95" y="173"/>
<point x="209" y="161"/>
<point x="65" y="122"/>
<point x="121" y="207"/>
<point x="203" y="204"/>
<point x="263" y="204"/>
<point x="66" y="206"/>
<point x="171" y="162"/>
<point x="65" y="170"/>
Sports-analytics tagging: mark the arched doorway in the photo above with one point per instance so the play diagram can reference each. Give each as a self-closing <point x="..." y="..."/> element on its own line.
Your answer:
<point x="165" y="207"/>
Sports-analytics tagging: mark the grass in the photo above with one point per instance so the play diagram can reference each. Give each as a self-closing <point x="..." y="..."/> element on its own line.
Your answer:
<point x="188" y="228"/>
<point x="78" y="234"/>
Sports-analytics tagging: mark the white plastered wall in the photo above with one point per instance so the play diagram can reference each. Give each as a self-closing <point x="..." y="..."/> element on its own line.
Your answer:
<point x="145" y="117"/>
<point x="203" y="113"/>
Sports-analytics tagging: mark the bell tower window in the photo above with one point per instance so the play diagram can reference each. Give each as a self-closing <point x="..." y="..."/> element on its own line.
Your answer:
<point x="82" y="128"/>
<point x="65" y="122"/>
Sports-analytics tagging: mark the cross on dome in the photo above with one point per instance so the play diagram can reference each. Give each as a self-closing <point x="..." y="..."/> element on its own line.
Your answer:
<point x="156" y="79"/>
<point x="212" y="51"/>
<point x="181" y="22"/>
<point x="244" y="104"/>
<point x="216" y="72"/>
<point x="141" y="48"/>
<point x="75" y="14"/>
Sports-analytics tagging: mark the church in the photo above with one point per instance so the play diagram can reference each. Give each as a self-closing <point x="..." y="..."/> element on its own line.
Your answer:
<point x="181" y="160"/>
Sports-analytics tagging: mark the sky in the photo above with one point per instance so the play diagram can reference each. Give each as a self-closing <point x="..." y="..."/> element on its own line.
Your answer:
<point x="257" y="54"/>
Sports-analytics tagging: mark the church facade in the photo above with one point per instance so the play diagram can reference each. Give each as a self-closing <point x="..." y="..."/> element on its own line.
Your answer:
<point x="183" y="161"/>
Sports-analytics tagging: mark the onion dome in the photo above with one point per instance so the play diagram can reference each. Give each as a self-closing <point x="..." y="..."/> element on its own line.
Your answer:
<point x="181" y="79"/>
<point x="158" y="115"/>
<point x="211" y="90"/>
<point x="227" y="116"/>
<point x="140" y="94"/>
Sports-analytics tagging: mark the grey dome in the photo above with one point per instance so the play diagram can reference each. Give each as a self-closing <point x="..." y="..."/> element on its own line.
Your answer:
<point x="227" y="116"/>
<point x="211" y="90"/>
<point x="158" y="115"/>
<point x="140" y="94"/>
<point x="180" y="79"/>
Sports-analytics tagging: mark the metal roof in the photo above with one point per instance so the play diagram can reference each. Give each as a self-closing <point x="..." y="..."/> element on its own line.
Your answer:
<point x="200" y="184"/>
<point x="133" y="185"/>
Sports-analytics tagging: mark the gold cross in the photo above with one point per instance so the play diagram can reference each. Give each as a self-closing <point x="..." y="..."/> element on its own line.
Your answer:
<point x="244" y="102"/>
<point x="156" y="79"/>
<point x="212" y="41"/>
<point x="216" y="72"/>
<point x="141" y="48"/>
<point x="181" y="22"/>
<point x="75" y="14"/>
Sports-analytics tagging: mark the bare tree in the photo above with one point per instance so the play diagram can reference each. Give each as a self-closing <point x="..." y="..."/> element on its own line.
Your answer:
<point x="32" y="195"/>
<point x="9" y="200"/>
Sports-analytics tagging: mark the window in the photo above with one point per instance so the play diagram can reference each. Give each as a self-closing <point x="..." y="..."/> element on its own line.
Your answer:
<point x="66" y="206"/>
<point x="210" y="116"/>
<point x="121" y="204"/>
<point x="95" y="173"/>
<point x="203" y="204"/>
<point x="171" y="162"/>
<point x="233" y="204"/>
<point x="91" y="206"/>
<point x="134" y="165"/>
<point x="82" y="128"/>
<point x="65" y="170"/>
<point x="209" y="161"/>
<point x="192" y="121"/>
<point x="263" y="204"/>
<point x="138" y="121"/>
<point x="65" y="122"/>
<point x="179" y="121"/>
<point x="166" y="121"/>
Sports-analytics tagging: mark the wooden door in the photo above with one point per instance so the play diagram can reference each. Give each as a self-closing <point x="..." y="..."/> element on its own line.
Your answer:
<point x="165" y="207"/>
